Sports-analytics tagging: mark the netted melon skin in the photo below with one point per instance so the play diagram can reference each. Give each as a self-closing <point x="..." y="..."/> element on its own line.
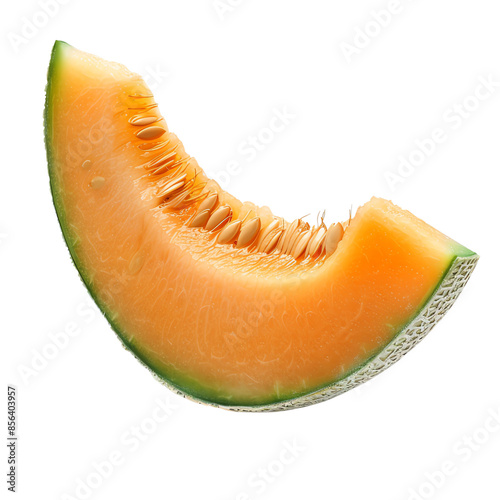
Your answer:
<point x="437" y="306"/>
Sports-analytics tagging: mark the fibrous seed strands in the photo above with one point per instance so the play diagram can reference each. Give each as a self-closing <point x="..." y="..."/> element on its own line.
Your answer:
<point x="178" y="189"/>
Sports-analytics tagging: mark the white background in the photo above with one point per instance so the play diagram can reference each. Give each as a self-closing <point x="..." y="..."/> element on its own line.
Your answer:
<point x="218" y="75"/>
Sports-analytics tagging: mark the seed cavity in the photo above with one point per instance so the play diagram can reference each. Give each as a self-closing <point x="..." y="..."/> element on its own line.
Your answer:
<point x="333" y="236"/>
<point x="142" y="121"/>
<point x="150" y="133"/>
<point x="97" y="182"/>
<point x="175" y="178"/>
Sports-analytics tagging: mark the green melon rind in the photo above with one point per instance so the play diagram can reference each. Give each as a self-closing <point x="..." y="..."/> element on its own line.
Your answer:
<point x="435" y="307"/>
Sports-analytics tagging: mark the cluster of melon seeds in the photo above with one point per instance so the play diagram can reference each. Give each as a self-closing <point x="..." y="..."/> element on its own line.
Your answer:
<point x="178" y="184"/>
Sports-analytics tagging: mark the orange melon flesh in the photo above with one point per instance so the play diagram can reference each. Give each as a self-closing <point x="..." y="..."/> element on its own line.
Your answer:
<point x="221" y="324"/>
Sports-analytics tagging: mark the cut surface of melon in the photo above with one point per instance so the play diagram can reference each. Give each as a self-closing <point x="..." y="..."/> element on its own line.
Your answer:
<point x="225" y="302"/>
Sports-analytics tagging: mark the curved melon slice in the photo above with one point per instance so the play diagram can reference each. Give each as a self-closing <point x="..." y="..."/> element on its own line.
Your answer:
<point x="225" y="302"/>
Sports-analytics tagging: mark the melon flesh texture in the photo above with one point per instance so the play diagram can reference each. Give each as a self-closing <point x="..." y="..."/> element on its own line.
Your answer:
<point x="221" y="325"/>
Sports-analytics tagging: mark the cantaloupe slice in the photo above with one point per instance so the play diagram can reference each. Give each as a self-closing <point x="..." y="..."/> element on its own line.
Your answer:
<point x="225" y="302"/>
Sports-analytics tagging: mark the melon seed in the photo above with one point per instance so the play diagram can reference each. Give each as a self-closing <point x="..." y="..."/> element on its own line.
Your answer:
<point x="283" y="244"/>
<point x="314" y="231"/>
<point x="333" y="237"/>
<point x="209" y="202"/>
<point x="249" y="232"/>
<point x="229" y="233"/>
<point x="136" y="263"/>
<point x="97" y="182"/>
<point x="176" y="202"/>
<point x="317" y="242"/>
<point x="141" y="121"/>
<point x="200" y="219"/>
<point x="150" y="133"/>
<point x="86" y="164"/>
<point x="272" y="241"/>
<point x="220" y="215"/>
<point x="294" y="238"/>
<point x="301" y="244"/>
<point x="270" y="228"/>
<point x="172" y="185"/>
